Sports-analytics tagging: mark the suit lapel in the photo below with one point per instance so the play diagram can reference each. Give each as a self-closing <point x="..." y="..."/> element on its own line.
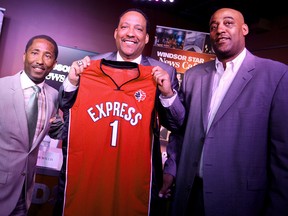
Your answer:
<point x="206" y="84"/>
<point x="49" y="105"/>
<point x="112" y="56"/>
<point x="144" y="61"/>
<point x="241" y="79"/>
<point x="19" y="105"/>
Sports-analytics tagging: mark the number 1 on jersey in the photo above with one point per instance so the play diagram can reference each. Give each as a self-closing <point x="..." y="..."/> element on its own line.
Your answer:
<point x="114" y="126"/>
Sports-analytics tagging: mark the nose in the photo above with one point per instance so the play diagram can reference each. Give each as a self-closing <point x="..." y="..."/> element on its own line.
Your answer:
<point x="40" y="59"/>
<point x="220" y="27"/>
<point x="130" y="32"/>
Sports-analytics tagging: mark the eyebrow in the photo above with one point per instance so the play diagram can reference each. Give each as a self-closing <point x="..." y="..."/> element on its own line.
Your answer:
<point x="226" y="17"/>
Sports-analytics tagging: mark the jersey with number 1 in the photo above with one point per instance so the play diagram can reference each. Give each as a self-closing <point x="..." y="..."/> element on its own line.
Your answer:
<point x="110" y="141"/>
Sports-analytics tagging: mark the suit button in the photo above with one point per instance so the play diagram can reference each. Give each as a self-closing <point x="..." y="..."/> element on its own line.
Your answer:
<point x="23" y="174"/>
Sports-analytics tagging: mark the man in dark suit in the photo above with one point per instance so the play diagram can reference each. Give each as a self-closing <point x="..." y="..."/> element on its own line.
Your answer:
<point x="131" y="36"/>
<point x="234" y="158"/>
<point x="18" y="151"/>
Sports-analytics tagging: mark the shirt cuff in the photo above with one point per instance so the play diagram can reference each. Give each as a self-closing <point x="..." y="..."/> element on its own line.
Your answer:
<point x="68" y="87"/>
<point x="168" y="101"/>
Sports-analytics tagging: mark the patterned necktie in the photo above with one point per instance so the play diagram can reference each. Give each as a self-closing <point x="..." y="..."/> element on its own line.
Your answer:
<point x="32" y="113"/>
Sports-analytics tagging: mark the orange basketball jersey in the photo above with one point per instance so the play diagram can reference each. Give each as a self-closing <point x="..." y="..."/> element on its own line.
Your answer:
<point x="109" y="158"/>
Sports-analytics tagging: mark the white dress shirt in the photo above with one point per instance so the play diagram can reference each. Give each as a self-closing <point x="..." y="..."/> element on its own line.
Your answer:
<point x="221" y="83"/>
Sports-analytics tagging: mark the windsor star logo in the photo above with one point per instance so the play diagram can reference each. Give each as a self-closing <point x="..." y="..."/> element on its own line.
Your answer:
<point x="140" y="95"/>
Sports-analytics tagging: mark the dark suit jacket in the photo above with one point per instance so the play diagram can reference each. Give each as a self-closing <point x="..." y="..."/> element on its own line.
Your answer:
<point x="245" y="156"/>
<point x="17" y="161"/>
<point x="67" y="100"/>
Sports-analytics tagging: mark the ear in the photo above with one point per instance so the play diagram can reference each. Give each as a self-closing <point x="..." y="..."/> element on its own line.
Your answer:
<point x="115" y="33"/>
<point x="24" y="55"/>
<point x="147" y="38"/>
<point x="245" y="29"/>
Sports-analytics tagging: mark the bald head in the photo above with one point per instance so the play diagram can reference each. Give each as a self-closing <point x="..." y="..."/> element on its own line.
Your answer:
<point x="228" y="12"/>
<point x="227" y="33"/>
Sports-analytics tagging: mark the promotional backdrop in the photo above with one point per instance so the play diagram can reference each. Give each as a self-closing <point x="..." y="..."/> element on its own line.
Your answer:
<point x="181" y="49"/>
<point x="66" y="56"/>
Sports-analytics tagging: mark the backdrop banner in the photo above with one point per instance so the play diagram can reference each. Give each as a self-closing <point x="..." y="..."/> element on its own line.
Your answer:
<point x="181" y="49"/>
<point x="66" y="56"/>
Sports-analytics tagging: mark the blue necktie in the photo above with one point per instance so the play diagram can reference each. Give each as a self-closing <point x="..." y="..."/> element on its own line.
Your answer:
<point x="32" y="112"/>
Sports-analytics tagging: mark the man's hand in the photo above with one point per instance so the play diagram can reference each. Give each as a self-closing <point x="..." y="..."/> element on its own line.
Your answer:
<point x="162" y="79"/>
<point x="77" y="68"/>
<point x="165" y="191"/>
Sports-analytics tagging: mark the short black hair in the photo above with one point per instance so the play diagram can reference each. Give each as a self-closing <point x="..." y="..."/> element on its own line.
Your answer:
<point x="46" y="37"/>
<point x="141" y="12"/>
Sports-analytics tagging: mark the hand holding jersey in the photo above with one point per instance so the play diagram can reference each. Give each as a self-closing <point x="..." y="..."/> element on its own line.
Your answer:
<point x="161" y="76"/>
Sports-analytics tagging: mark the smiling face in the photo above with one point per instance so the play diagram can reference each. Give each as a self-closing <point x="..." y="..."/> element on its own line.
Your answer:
<point x="39" y="60"/>
<point x="131" y="35"/>
<point x="227" y="33"/>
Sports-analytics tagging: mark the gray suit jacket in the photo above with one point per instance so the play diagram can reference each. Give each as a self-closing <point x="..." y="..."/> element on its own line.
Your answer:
<point x="245" y="153"/>
<point x="17" y="161"/>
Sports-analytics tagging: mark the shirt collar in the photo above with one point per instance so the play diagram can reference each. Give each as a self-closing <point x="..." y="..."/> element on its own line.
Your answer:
<point x="26" y="82"/>
<point x="137" y="60"/>
<point x="236" y="62"/>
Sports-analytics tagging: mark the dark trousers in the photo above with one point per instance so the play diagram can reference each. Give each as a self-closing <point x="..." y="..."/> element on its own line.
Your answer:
<point x="196" y="200"/>
<point x="58" y="207"/>
<point x="20" y="209"/>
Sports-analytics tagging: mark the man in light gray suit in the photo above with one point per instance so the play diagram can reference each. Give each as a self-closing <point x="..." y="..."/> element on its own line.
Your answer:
<point x="18" y="154"/>
<point x="234" y="159"/>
